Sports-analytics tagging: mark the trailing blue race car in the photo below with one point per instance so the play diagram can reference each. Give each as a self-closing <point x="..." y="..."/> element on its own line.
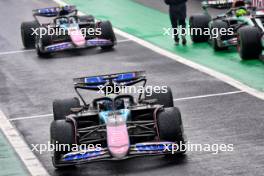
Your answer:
<point x="66" y="31"/>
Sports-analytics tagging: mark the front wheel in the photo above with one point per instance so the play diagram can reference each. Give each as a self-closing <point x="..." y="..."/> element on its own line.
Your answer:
<point x="170" y="127"/>
<point x="107" y="32"/>
<point x="42" y="54"/>
<point x="249" y="42"/>
<point x="62" y="133"/>
<point x="41" y="43"/>
<point x="28" y="33"/>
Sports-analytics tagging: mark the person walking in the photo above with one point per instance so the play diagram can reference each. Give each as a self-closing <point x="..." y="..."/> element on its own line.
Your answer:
<point x="177" y="10"/>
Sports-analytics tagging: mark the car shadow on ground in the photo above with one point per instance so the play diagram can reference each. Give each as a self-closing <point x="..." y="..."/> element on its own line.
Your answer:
<point x="137" y="165"/>
<point x="75" y="53"/>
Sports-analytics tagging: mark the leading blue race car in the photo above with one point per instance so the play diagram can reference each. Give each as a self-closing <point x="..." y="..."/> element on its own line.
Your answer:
<point x="118" y="125"/>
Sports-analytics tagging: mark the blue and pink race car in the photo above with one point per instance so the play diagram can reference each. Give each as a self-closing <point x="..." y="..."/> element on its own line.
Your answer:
<point x="115" y="126"/>
<point x="66" y="31"/>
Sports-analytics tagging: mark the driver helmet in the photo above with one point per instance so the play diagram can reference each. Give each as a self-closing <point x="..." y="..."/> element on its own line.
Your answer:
<point x="71" y="20"/>
<point x="106" y="105"/>
<point x="241" y="12"/>
<point x="63" y="21"/>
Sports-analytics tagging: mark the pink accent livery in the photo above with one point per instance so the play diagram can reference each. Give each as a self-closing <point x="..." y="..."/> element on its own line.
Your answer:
<point x="77" y="38"/>
<point x="118" y="140"/>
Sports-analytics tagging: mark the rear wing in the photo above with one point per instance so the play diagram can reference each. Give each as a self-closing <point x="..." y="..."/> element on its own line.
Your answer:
<point x="258" y="12"/>
<point x="121" y="79"/>
<point x="55" y="11"/>
<point x="214" y="3"/>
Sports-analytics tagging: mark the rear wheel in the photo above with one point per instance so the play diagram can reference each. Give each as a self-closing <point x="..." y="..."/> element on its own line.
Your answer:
<point x="86" y="18"/>
<point x="61" y="134"/>
<point x="249" y="42"/>
<point x="170" y="126"/>
<point x="27" y="33"/>
<point x="62" y="108"/>
<point x="165" y="99"/>
<point x="199" y="23"/>
<point x="107" y="33"/>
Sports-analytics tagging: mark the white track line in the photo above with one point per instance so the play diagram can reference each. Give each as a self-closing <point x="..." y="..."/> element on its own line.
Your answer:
<point x="209" y="95"/>
<point x="31" y="117"/>
<point x="15" y="52"/>
<point x="124" y="40"/>
<point x="177" y="99"/>
<point x="31" y="50"/>
<point x="31" y="162"/>
<point x="187" y="62"/>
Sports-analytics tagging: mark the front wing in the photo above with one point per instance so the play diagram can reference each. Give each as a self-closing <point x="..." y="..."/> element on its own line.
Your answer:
<point x="69" y="45"/>
<point x="136" y="150"/>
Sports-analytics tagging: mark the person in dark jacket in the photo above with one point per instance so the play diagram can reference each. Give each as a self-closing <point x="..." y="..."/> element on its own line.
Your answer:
<point x="177" y="10"/>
